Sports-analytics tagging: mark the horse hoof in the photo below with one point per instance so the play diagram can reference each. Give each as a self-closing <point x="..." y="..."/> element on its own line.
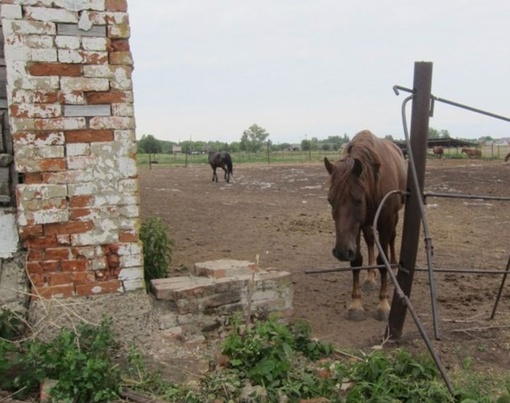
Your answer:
<point x="381" y="316"/>
<point x="368" y="286"/>
<point x="356" y="315"/>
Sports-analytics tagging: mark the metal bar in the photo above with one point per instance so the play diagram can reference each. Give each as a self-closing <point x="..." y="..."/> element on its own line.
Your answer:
<point x="396" y="88"/>
<point x="321" y="271"/>
<point x="436" y="270"/>
<point x="465" y="196"/>
<point x="500" y="289"/>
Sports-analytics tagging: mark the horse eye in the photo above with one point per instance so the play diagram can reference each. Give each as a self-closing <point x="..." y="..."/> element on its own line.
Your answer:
<point x="357" y="202"/>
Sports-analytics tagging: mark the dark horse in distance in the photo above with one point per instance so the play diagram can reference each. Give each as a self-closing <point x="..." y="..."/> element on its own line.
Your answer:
<point x="221" y="160"/>
<point x="369" y="168"/>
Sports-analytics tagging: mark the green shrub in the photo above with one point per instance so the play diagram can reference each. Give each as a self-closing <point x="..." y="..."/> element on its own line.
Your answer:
<point x="157" y="249"/>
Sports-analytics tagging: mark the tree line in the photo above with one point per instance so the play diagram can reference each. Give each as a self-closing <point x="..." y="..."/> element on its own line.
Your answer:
<point x="255" y="139"/>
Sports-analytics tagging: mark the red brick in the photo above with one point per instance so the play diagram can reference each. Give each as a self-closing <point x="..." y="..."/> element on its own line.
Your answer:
<point x="126" y="236"/>
<point x="116" y="5"/>
<point x="34" y="268"/>
<point x="121" y="58"/>
<point x="74" y="265"/>
<point x="32" y="178"/>
<point x="71" y="227"/>
<point x="100" y="287"/>
<point x="52" y="164"/>
<point x="52" y="266"/>
<point x="118" y="45"/>
<point x="83" y="277"/>
<point x="78" y="213"/>
<point x="105" y="97"/>
<point x="38" y="279"/>
<point x="88" y="136"/>
<point x="94" y="57"/>
<point x="64" y="291"/>
<point x="60" y="279"/>
<point x="55" y="69"/>
<point x="57" y="253"/>
<point x="30" y="232"/>
<point x="80" y="201"/>
<point x="35" y="255"/>
<point x="43" y="242"/>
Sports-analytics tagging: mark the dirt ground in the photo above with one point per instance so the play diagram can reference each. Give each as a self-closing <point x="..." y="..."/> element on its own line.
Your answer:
<point x="280" y="214"/>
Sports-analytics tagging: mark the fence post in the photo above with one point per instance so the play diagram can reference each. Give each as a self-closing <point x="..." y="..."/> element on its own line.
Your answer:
<point x="412" y="215"/>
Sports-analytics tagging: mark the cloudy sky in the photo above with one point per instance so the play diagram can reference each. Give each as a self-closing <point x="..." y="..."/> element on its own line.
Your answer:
<point x="209" y="69"/>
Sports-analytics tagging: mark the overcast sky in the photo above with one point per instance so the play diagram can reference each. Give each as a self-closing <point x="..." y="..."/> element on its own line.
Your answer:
<point x="209" y="69"/>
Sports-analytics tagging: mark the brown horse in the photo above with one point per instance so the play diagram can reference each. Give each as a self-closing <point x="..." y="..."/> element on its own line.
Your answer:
<point x="438" y="151"/>
<point x="221" y="160"/>
<point x="472" y="153"/>
<point x="369" y="168"/>
<point x="507" y="157"/>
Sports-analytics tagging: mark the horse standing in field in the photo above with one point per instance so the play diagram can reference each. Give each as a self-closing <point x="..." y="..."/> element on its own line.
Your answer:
<point x="438" y="151"/>
<point x="369" y="168"/>
<point x="507" y="157"/>
<point x="472" y="153"/>
<point x="221" y="160"/>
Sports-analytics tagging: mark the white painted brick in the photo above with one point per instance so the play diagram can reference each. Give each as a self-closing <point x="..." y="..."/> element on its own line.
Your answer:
<point x="123" y="110"/>
<point x="51" y="14"/>
<point x="40" y="111"/>
<point x="94" y="238"/>
<point x="77" y="149"/>
<point x="91" y="43"/>
<point x="43" y="55"/>
<point x="70" y="177"/>
<point x="78" y="5"/>
<point x="11" y="12"/>
<point x="129" y="185"/>
<point x="131" y="248"/>
<point x="122" y="79"/>
<point x="38" y="152"/>
<point x="129" y="224"/>
<point x="32" y="27"/>
<point x="50" y="216"/>
<point x="22" y="124"/>
<point x="83" y="188"/>
<point x="16" y="53"/>
<point x="69" y="56"/>
<point x="69" y="84"/>
<point x="132" y="211"/>
<point x="114" y="122"/>
<point x="131" y="273"/>
<point x="98" y="71"/>
<point x="124" y="136"/>
<point x="132" y="285"/>
<point x="61" y="124"/>
<point x="39" y="41"/>
<point x="73" y="98"/>
<point x="36" y="83"/>
<point x="68" y="42"/>
<point x="81" y="162"/>
<point x="56" y="138"/>
<point x="131" y="261"/>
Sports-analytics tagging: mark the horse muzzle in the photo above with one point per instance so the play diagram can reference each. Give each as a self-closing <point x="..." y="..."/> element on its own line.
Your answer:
<point x="344" y="255"/>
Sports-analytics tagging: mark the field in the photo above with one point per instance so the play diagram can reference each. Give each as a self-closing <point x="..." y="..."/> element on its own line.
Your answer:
<point x="279" y="213"/>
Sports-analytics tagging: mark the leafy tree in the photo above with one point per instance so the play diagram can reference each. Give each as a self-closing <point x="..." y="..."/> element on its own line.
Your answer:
<point x="149" y="144"/>
<point x="389" y="137"/>
<point x="306" y="145"/>
<point x="253" y="138"/>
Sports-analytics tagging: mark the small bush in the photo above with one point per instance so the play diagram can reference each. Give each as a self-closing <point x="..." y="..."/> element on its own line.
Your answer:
<point x="157" y="248"/>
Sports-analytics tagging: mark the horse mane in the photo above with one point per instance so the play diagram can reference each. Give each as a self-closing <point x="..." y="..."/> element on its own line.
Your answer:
<point x="361" y="148"/>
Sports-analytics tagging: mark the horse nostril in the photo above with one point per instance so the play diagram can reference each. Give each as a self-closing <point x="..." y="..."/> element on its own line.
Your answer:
<point x="350" y="255"/>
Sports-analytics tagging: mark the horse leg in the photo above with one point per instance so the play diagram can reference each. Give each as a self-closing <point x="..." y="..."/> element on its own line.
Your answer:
<point x="383" y="308"/>
<point x="369" y="283"/>
<point x="356" y="311"/>
<point x="214" y="176"/>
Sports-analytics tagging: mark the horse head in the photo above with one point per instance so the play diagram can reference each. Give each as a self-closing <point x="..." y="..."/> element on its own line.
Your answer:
<point x="348" y="199"/>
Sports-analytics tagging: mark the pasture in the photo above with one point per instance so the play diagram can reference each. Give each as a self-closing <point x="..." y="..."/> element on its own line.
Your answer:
<point x="280" y="213"/>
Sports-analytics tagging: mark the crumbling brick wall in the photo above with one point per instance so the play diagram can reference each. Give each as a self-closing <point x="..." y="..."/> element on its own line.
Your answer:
<point x="70" y="98"/>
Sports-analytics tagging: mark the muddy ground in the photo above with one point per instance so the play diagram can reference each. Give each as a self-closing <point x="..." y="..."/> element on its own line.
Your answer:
<point x="279" y="213"/>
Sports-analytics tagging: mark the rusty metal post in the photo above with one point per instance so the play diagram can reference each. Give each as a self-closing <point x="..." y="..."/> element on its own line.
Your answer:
<point x="412" y="216"/>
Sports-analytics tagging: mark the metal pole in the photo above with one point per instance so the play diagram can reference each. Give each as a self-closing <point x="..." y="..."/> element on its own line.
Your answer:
<point x="412" y="216"/>
<point x="500" y="289"/>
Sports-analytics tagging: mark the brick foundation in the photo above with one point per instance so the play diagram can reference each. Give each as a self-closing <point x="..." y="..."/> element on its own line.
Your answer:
<point x="70" y="100"/>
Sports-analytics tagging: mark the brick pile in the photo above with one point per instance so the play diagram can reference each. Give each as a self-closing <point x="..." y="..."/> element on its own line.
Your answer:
<point x="70" y="100"/>
<point x="216" y="289"/>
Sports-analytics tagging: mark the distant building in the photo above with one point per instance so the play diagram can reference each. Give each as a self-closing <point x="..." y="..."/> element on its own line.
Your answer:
<point x="176" y="149"/>
<point x="293" y="147"/>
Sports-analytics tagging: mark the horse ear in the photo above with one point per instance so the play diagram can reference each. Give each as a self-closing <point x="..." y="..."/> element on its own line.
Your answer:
<point x="329" y="166"/>
<point x="357" y="168"/>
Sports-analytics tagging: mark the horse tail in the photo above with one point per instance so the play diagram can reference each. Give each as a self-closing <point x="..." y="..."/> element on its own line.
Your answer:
<point x="230" y="166"/>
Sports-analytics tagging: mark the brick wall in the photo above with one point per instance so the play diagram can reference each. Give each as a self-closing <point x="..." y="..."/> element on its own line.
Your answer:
<point x="70" y="100"/>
